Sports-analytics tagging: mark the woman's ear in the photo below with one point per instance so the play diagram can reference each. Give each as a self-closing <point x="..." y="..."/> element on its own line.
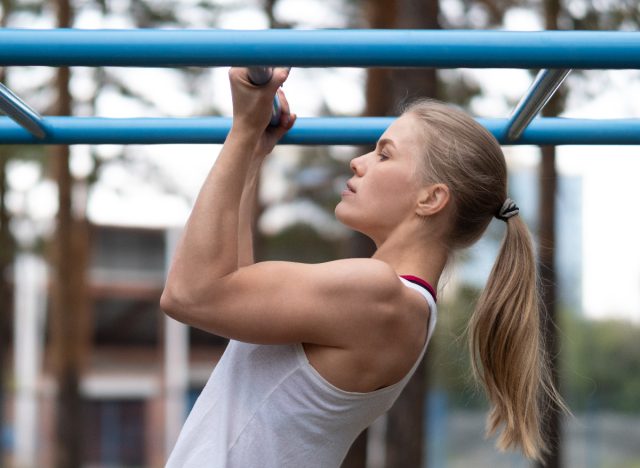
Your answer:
<point x="433" y="199"/>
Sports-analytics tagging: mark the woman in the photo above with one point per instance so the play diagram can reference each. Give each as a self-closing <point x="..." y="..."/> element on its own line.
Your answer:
<point x="318" y="352"/>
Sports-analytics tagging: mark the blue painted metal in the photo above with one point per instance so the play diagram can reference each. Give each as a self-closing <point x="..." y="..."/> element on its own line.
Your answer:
<point x="541" y="90"/>
<point x="307" y="131"/>
<point x="322" y="48"/>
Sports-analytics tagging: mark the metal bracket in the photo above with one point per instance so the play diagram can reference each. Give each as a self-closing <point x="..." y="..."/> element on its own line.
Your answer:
<point x="543" y="87"/>
<point x="21" y="113"/>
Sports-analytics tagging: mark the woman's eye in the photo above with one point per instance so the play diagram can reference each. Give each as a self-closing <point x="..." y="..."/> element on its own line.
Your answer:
<point x="383" y="157"/>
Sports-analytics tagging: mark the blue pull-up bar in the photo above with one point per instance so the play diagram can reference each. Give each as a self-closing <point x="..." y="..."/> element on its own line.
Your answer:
<point x="321" y="48"/>
<point x="554" y="50"/>
<point x="307" y="131"/>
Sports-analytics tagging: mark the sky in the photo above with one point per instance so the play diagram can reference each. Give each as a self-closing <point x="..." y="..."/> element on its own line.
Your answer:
<point x="610" y="247"/>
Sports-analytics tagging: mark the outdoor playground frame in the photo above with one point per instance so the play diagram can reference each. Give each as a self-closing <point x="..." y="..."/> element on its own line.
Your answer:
<point x="555" y="53"/>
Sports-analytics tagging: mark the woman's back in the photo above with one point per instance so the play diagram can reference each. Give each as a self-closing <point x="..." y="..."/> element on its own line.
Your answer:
<point x="266" y="405"/>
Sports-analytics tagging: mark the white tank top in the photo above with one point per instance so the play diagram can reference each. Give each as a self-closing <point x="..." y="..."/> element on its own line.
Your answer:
<point x="266" y="406"/>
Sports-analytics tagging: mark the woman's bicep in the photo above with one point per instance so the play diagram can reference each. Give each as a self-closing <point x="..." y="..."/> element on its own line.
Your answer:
<point x="284" y="302"/>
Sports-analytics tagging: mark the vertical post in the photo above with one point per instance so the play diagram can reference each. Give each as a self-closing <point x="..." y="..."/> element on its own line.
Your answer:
<point x="29" y="310"/>
<point x="176" y="364"/>
<point x="547" y="239"/>
<point x="548" y="189"/>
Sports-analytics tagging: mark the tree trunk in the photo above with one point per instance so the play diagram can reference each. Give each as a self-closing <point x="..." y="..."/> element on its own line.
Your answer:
<point x="6" y="259"/>
<point x="69" y="301"/>
<point x="385" y="88"/>
<point x="379" y="101"/>
<point x="6" y="302"/>
<point x="406" y="428"/>
<point x="547" y="228"/>
<point x="357" y="455"/>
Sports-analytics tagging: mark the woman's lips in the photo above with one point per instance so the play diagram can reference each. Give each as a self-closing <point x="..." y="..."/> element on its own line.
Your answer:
<point x="349" y="190"/>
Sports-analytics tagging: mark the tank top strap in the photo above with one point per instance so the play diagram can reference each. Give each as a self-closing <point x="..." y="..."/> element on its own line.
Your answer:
<point x="433" y="308"/>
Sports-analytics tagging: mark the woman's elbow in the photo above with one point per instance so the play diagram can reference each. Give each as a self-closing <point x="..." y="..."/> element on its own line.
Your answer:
<point x="184" y="302"/>
<point x="170" y="303"/>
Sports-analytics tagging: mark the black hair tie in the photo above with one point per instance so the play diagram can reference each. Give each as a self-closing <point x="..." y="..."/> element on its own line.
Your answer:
<point x="509" y="209"/>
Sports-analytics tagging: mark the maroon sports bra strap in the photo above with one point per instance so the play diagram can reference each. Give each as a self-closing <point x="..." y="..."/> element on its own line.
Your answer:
<point x="422" y="283"/>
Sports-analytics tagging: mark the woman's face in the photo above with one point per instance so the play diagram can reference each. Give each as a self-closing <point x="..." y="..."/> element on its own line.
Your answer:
<point x="383" y="191"/>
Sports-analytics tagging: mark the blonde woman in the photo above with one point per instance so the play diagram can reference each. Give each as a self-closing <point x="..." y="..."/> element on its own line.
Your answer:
<point x="318" y="352"/>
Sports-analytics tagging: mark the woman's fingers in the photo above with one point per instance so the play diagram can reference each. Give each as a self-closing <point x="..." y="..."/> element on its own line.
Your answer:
<point x="284" y="104"/>
<point x="286" y="118"/>
<point x="240" y="75"/>
<point x="280" y="75"/>
<point x="252" y="104"/>
<point x="292" y="120"/>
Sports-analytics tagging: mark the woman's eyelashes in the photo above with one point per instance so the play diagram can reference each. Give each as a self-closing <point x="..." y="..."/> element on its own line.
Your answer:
<point x="382" y="156"/>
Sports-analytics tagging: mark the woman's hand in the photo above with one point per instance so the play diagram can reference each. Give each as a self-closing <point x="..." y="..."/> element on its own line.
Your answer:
<point x="252" y="107"/>
<point x="271" y="135"/>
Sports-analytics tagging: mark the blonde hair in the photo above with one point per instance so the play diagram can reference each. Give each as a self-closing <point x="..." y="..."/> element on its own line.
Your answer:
<point x="504" y="334"/>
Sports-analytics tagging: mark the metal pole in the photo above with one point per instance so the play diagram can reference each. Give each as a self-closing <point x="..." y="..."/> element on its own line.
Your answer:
<point x="322" y="48"/>
<point x="307" y="131"/>
<point x="541" y="90"/>
<point x="30" y="308"/>
<point x="21" y="113"/>
<point x="176" y="364"/>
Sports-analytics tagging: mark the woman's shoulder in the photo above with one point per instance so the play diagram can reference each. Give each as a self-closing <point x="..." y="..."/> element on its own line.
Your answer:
<point x="363" y="271"/>
<point x="376" y="282"/>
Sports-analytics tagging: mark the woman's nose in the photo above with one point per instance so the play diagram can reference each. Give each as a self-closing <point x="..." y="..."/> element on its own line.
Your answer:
<point x="357" y="165"/>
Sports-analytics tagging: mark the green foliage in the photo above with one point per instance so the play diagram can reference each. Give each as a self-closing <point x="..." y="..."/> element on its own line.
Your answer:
<point x="600" y="360"/>
<point x="600" y="364"/>
<point x="449" y="352"/>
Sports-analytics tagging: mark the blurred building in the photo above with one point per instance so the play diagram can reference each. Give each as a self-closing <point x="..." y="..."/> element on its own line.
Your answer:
<point x="129" y="385"/>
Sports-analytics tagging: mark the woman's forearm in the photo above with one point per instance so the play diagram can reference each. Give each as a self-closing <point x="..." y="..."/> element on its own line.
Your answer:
<point x="247" y="214"/>
<point x="217" y="239"/>
<point x="208" y="248"/>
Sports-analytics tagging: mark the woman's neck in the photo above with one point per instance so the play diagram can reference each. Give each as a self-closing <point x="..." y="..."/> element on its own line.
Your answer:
<point x="415" y="255"/>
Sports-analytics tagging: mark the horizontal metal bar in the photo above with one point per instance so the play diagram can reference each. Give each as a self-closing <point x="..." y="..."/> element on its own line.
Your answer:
<point x="20" y="112"/>
<point x="322" y="48"/>
<point x="541" y="90"/>
<point x="307" y="131"/>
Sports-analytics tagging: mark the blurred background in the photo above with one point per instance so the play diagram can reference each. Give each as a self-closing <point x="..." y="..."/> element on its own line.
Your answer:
<point x="93" y="373"/>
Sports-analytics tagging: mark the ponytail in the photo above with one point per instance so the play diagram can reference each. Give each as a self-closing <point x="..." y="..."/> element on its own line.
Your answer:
<point x="506" y="346"/>
<point x="505" y="339"/>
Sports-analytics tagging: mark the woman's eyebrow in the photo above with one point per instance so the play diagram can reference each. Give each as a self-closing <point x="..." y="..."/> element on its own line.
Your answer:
<point x="386" y="141"/>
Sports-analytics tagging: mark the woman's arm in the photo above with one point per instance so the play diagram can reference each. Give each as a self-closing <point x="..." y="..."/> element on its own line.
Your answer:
<point x="345" y="303"/>
<point x="247" y="215"/>
<point x="249" y="197"/>
<point x="215" y="231"/>
<point x="339" y="303"/>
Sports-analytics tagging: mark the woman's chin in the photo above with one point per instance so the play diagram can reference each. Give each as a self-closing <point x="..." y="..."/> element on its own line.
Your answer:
<point x="346" y="218"/>
<point x="341" y="216"/>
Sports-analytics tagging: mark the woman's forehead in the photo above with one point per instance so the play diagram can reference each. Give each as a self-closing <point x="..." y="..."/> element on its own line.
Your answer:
<point x="405" y="132"/>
